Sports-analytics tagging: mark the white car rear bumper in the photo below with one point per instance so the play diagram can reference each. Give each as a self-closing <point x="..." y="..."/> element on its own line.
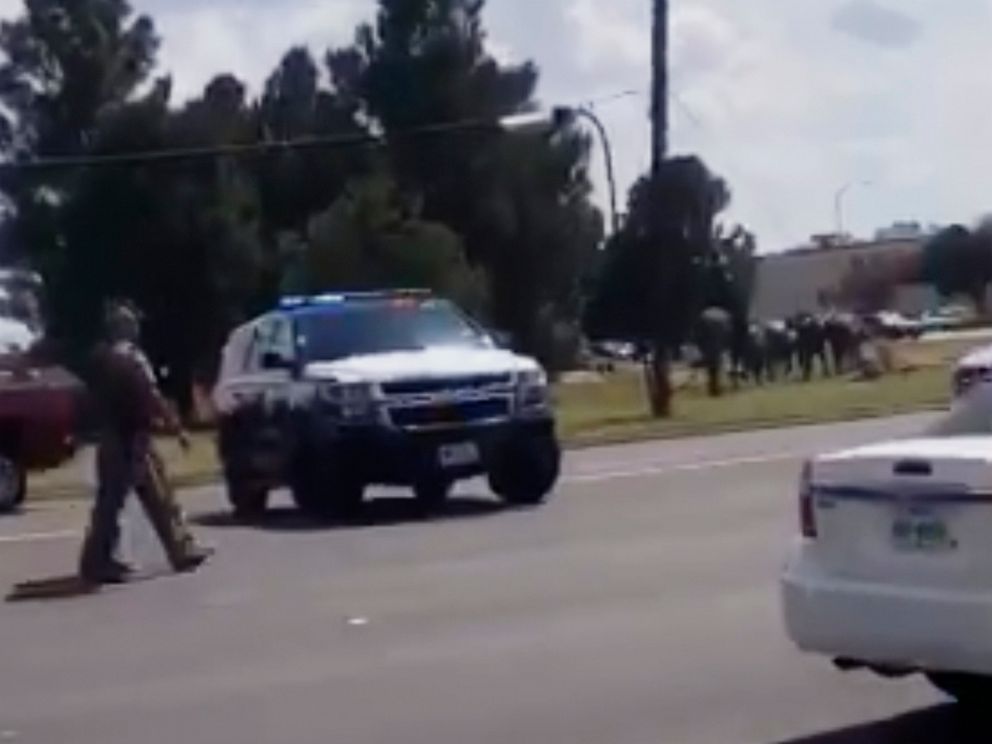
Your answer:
<point x="897" y="627"/>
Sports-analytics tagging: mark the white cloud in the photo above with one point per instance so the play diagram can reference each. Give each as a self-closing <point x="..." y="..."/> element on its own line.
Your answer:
<point x="246" y="39"/>
<point x="606" y="34"/>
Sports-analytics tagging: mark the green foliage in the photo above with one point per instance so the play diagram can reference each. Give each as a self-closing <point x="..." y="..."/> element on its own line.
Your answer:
<point x="367" y="240"/>
<point x="957" y="261"/>
<point x="181" y="240"/>
<point x="70" y="71"/>
<point x="500" y="221"/>
<point x="870" y="285"/>
<point x="733" y="272"/>
<point x="519" y="202"/>
<point x="658" y="269"/>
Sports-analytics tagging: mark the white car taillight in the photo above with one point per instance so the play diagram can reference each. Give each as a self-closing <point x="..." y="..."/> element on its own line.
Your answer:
<point x="807" y="504"/>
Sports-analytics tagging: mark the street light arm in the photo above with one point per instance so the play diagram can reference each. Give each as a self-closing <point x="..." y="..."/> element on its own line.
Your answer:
<point x="839" y="202"/>
<point x="597" y="123"/>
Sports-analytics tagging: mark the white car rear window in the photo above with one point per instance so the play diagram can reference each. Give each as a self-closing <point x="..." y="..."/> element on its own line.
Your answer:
<point x="971" y="414"/>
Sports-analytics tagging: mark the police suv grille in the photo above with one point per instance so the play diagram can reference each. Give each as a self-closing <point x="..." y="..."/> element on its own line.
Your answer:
<point x="451" y="414"/>
<point x="446" y="384"/>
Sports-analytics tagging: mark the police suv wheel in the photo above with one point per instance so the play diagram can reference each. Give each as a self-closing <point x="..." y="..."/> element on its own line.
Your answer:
<point x="248" y="501"/>
<point x="13" y="484"/>
<point x="968" y="690"/>
<point x="432" y="494"/>
<point x="525" y="472"/>
<point x="326" y="496"/>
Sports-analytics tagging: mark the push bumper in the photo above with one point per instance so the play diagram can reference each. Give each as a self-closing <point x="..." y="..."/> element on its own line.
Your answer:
<point x="888" y="627"/>
<point x="386" y="456"/>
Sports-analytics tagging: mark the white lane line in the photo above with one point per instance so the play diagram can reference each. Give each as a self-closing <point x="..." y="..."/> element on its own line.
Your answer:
<point x="29" y="537"/>
<point x="689" y="467"/>
<point x="606" y="476"/>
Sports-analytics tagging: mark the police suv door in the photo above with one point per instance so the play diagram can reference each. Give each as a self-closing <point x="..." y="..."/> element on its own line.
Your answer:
<point x="263" y="392"/>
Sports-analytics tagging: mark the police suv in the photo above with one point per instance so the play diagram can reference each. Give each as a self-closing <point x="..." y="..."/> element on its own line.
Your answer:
<point x="328" y="395"/>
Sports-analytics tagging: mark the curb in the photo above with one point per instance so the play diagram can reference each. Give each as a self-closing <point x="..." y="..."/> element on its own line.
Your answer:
<point x="575" y="443"/>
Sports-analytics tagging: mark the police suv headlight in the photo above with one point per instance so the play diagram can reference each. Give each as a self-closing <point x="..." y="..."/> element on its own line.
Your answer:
<point x="533" y="395"/>
<point x="351" y="401"/>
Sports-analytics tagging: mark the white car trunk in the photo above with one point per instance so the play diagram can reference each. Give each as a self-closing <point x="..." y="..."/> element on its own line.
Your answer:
<point x="914" y="513"/>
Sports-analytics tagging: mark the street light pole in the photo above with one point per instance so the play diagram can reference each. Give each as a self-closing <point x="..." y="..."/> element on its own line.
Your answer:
<point x="562" y="116"/>
<point x="590" y="116"/>
<point x="839" y="203"/>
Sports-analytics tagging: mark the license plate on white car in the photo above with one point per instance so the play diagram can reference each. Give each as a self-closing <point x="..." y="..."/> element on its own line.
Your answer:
<point x="458" y="455"/>
<point x="921" y="532"/>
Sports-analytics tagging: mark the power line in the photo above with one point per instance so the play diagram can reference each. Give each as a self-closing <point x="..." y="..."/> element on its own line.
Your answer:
<point x="152" y="157"/>
<point x="699" y="124"/>
<point x="363" y="139"/>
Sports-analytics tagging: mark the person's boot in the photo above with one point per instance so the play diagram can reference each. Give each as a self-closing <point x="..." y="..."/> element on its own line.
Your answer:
<point x="113" y="572"/>
<point x="193" y="559"/>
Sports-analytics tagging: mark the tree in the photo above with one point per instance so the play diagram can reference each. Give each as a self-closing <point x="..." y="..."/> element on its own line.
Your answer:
<point x="957" y="261"/>
<point x="870" y="286"/>
<point x="297" y="184"/>
<point x="520" y="203"/>
<point x="66" y="64"/>
<point x="735" y="270"/>
<point x="179" y="239"/>
<point x="367" y="240"/>
<point x="656" y="273"/>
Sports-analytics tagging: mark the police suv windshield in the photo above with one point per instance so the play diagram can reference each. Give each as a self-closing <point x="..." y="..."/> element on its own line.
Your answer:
<point x="348" y="329"/>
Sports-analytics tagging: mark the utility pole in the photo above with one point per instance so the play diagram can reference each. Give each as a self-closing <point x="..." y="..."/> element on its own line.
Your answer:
<point x="657" y="367"/>
<point x="659" y="102"/>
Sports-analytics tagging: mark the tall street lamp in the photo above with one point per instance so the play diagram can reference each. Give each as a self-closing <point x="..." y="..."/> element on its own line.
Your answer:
<point x="839" y="202"/>
<point x="563" y="116"/>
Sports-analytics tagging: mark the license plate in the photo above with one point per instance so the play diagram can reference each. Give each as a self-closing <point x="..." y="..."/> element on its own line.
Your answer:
<point x="458" y="455"/>
<point x="921" y="532"/>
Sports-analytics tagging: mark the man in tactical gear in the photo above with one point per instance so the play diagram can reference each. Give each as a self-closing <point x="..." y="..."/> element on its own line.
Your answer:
<point x="131" y="408"/>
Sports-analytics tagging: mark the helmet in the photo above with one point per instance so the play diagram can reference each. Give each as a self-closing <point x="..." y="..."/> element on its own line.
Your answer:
<point x="122" y="321"/>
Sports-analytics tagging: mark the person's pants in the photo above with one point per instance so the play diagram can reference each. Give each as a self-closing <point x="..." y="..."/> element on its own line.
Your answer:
<point x="125" y="464"/>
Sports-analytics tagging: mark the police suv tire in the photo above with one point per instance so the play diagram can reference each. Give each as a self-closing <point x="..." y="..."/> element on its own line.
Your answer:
<point x="326" y="496"/>
<point x="248" y="501"/>
<point x="13" y="484"/>
<point x="969" y="690"/>
<point x="525" y="471"/>
<point x="432" y="494"/>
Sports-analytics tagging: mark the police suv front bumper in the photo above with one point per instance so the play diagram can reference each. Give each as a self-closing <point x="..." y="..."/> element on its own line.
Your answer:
<point x="382" y="455"/>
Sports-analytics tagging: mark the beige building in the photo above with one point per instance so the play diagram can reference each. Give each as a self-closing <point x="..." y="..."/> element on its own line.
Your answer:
<point x="808" y="279"/>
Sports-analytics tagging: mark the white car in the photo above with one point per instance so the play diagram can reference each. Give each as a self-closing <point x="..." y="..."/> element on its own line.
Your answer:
<point x="893" y="568"/>
<point x="973" y="368"/>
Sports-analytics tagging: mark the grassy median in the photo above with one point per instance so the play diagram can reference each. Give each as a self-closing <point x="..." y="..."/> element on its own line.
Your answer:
<point x="613" y="409"/>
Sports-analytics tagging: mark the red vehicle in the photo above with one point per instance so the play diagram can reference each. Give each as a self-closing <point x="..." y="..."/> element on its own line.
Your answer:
<point x="38" y="401"/>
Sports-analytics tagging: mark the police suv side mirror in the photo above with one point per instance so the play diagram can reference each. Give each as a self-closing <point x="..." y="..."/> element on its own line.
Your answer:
<point x="274" y="361"/>
<point x="502" y="339"/>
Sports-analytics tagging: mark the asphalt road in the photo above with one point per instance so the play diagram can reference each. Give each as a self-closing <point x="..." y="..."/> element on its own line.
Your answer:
<point x="639" y="607"/>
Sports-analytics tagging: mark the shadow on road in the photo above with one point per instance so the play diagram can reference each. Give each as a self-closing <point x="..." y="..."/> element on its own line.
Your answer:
<point x="51" y="589"/>
<point x="944" y="724"/>
<point x="70" y="586"/>
<point x="380" y="512"/>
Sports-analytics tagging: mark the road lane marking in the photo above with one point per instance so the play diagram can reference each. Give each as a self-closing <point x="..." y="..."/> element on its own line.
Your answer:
<point x="605" y="476"/>
<point x="29" y="537"/>
<point x="688" y="467"/>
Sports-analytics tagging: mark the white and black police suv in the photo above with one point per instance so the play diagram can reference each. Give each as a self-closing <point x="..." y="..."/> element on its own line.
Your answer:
<point x="328" y="395"/>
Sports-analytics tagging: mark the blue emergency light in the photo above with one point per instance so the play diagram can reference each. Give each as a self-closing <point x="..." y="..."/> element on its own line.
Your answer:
<point x="300" y="301"/>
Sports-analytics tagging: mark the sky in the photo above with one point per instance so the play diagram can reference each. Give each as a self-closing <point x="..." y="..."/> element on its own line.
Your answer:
<point x="788" y="100"/>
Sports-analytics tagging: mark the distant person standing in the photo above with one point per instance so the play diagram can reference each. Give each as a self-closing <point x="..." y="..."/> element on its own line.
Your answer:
<point x="131" y="408"/>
